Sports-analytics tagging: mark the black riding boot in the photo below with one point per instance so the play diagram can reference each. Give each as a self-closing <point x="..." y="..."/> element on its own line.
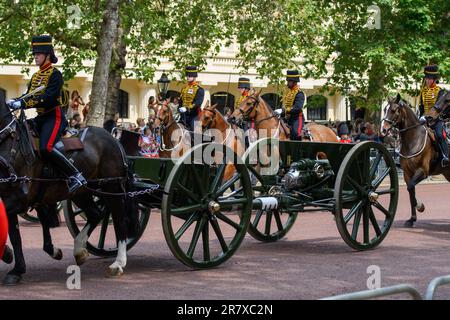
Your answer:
<point x="76" y="179"/>
<point x="444" y="150"/>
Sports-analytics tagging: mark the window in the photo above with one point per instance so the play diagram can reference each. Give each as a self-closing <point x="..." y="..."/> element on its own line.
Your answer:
<point x="316" y="107"/>
<point x="223" y="99"/>
<point x="357" y="110"/>
<point x="273" y="100"/>
<point x="123" y="104"/>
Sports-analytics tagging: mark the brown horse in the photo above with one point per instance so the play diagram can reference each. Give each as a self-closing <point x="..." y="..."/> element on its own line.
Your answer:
<point x="419" y="156"/>
<point x="212" y="121"/>
<point x="175" y="138"/>
<point x="267" y="123"/>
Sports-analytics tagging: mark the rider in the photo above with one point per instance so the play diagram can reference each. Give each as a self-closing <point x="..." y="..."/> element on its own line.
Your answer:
<point x="191" y="98"/>
<point x="50" y="121"/>
<point x="293" y="102"/>
<point x="429" y="94"/>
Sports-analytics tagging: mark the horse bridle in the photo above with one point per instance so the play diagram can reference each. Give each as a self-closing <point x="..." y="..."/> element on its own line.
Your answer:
<point x="246" y="114"/>
<point x="210" y="122"/>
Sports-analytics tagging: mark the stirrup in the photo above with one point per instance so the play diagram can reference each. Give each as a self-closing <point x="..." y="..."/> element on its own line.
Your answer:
<point x="445" y="162"/>
<point x="75" y="182"/>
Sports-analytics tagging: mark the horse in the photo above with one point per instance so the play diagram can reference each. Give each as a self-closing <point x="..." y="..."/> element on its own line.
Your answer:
<point x="175" y="138"/>
<point x="253" y="107"/>
<point x="102" y="157"/>
<point x="211" y="119"/>
<point x="419" y="155"/>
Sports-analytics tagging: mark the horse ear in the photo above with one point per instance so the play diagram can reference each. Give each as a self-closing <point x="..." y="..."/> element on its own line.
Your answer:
<point x="214" y="106"/>
<point x="398" y="98"/>
<point x="259" y="93"/>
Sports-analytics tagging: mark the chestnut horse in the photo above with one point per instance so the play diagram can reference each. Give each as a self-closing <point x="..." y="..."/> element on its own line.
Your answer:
<point x="267" y="123"/>
<point x="419" y="155"/>
<point x="211" y="119"/>
<point x="175" y="138"/>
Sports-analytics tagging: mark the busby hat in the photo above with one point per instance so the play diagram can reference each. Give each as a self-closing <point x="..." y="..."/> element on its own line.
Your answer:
<point x="293" y="75"/>
<point x="244" y="83"/>
<point x="342" y="129"/>
<point x="43" y="44"/>
<point x="431" y="71"/>
<point x="191" y="71"/>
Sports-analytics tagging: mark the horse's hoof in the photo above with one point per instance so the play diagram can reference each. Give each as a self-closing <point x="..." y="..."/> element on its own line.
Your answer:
<point x="57" y="254"/>
<point x="114" y="272"/>
<point x="8" y="255"/>
<point x="409" y="223"/>
<point x="12" y="279"/>
<point x="420" y="207"/>
<point x="81" y="256"/>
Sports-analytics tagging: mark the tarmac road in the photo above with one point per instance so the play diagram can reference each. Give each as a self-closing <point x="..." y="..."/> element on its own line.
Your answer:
<point x="311" y="262"/>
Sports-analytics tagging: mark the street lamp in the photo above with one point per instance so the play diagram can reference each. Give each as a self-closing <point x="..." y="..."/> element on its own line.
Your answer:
<point x="163" y="85"/>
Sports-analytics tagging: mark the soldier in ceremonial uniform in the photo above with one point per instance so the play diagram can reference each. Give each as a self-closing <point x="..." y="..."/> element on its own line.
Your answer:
<point x="293" y="102"/>
<point x="429" y="94"/>
<point x="191" y="98"/>
<point x="50" y="121"/>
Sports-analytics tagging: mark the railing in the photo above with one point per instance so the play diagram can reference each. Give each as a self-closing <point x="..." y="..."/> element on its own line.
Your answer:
<point x="393" y="290"/>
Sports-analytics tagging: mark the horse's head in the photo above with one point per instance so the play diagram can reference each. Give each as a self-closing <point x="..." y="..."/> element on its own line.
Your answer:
<point x="443" y="103"/>
<point x="208" y="117"/>
<point x="247" y="110"/>
<point x="394" y="114"/>
<point x="163" y="116"/>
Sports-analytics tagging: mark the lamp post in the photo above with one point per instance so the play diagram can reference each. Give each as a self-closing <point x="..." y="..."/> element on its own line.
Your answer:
<point x="163" y="85"/>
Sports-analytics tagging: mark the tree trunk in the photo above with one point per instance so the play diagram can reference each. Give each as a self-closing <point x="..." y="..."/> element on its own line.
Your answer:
<point x="108" y="33"/>
<point x="118" y="63"/>
<point x="376" y="91"/>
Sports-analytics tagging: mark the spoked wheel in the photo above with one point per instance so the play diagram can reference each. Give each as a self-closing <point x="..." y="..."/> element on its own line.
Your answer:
<point x="204" y="217"/>
<point x="266" y="225"/>
<point x="102" y="241"/>
<point x="366" y="195"/>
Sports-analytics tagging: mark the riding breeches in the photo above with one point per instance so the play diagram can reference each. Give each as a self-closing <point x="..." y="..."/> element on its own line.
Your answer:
<point x="297" y="127"/>
<point x="50" y="127"/>
<point x="441" y="137"/>
<point x="189" y="118"/>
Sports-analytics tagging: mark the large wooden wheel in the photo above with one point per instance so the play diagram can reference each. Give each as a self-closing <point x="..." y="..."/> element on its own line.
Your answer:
<point x="102" y="241"/>
<point x="205" y="218"/>
<point x="266" y="225"/>
<point x="366" y="195"/>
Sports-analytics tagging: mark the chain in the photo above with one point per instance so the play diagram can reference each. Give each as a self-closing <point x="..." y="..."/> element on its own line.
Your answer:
<point x="142" y="192"/>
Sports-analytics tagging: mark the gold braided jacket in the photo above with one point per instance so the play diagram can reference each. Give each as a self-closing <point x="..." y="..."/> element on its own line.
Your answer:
<point x="429" y="97"/>
<point x="188" y="95"/>
<point x="289" y="97"/>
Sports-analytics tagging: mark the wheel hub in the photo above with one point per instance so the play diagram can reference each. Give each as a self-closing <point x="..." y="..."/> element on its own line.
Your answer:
<point x="213" y="207"/>
<point x="373" y="196"/>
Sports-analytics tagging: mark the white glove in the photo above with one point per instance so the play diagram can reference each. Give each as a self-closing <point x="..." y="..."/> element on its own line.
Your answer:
<point x="278" y="111"/>
<point x="14" y="104"/>
<point x="182" y="110"/>
<point x="423" y="120"/>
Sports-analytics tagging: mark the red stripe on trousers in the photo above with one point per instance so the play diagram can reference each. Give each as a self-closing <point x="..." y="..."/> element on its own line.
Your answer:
<point x="52" y="139"/>
<point x="3" y="228"/>
<point x="300" y="125"/>
<point x="444" y="133"/>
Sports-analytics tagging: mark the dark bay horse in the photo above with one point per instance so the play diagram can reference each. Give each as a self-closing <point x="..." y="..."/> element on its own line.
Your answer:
<point x="419" y="156"/>
<point x="102" y="157"/>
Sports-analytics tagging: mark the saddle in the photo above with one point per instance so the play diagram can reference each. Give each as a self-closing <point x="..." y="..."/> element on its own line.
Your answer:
<point x="67" y="143"/>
